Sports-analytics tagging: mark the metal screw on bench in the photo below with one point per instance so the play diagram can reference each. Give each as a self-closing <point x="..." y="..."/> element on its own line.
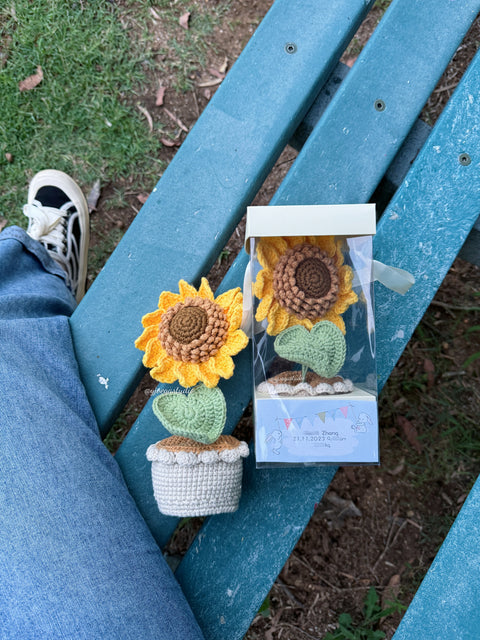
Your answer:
<point x="291" y="47"/>
<point x="464" y="159"/>
<point x="380" y="105"/>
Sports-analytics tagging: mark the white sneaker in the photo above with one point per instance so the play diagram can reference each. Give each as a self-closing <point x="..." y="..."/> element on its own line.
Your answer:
<point x="57" y="215"/>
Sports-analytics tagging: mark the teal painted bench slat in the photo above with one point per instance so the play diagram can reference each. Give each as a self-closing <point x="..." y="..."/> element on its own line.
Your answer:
<point x="403" y="45"/>
<point x="191" y="213"/>
<point x="286" y="500"/>
<point x="236" y="557"/>
<point x="446" y="604"/>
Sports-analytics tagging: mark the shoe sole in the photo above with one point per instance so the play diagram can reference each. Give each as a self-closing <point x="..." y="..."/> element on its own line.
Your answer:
<point x="54" y="178"/>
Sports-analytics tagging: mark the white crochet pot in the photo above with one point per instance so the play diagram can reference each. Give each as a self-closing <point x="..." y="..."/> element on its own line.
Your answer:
<point x="194" y="479"/>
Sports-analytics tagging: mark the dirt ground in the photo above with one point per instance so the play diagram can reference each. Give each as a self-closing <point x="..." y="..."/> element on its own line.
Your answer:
<point x="382" y="526"/>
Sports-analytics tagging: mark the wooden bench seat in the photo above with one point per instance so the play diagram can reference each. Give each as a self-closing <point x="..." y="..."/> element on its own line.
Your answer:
<point x="180" y="231"/>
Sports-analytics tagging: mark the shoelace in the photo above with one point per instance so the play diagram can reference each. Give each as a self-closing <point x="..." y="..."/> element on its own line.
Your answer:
<point x="45" y="224"/>
<point x="52" y="228"/>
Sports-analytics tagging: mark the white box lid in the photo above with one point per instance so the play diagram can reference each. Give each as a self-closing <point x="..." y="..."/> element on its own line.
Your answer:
<point x="310" y="220"/>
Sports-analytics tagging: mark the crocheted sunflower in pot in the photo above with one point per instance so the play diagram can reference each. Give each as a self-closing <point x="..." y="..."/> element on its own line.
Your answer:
<point x="303" y="280"/>
<point x="192" y="336"/>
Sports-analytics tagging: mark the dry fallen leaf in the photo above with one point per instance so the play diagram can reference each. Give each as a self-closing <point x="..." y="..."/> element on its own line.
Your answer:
<point x="176" y="120"/>
<point x="216" y="73"/>
<point x="160" y="95"/>
<point x="3" y="223"/>
<point x="338" y="509"/>
<point x="147" y="116"/>
<point x="223" y="68"/>
<point x="142" y="197"/>
<point x="429" y="369"/>
<point x="210" y="83"/>
<point x="168" y="142"/>
<point x="398" y="469"/>
<point x="410" y="433"/>
<point x="391" y="591"/>
<point x="32" y="81"/>
<point x="183" y="21"/>
<point x="93" y="196"/>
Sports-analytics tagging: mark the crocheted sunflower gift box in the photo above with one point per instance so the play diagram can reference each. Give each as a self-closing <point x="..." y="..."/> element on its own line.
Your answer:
<point x="304" y="287"/>
<point x="191" y="338"/>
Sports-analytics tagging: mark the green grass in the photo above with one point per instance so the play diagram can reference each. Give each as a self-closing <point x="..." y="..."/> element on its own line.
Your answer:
<point x="187" y="49"/>
<point x="96" y="57"/>
<point x="367" y="627"/>
<point x="82" y="117"/>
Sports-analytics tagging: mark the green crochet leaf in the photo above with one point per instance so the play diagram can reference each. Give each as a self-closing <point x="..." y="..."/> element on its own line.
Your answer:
<point x="321" y="349"/>
<point x="200" y="415"/>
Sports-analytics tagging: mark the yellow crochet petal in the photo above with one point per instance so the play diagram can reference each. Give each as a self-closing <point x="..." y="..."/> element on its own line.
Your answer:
<point x="259" y="284"/>
<point x="344" y="301"/>
<point x="204" y="290"/>
<point x="237" y="341"/>
<point x="152" y="318"/>
<point x="327" y="244"/>
<point x="278" y="243"/>
<point x="336" y="319"/>
<point x="188" y="374"/>
<point x="277" y="320"/>
<point x="308" y="324"/>
<point x="168" y="299"/>
<point x="230" y="298"/>
<point x="167" y="376"/>
<point x="148" y="334"/>
<point x="263" y="285"/>
<point x="186" y="290"/>
<point x="154" y="354"/>
<point x="345" y="276"/>
<point x="264" y="307"/>
<point x="234" y="316"/>
<point x="223" y="365"/>
<point x="269" y="251"/>
<point x="292" y="241"/>
<point x="339" y="253"/>
<point x="207" y="373"/>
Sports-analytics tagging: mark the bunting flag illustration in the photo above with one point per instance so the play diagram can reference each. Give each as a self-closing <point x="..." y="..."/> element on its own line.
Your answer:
<point x="307" y="421"/>
<point x="300" y="422"/>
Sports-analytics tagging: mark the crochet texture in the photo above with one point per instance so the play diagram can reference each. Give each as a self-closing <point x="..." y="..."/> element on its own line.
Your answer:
<point x="200" y="415"/>
<point x="192" y="336"/>
<point x="303" y="280"/>
<point x="322" y="349"/>
<point x="192" y="479"/>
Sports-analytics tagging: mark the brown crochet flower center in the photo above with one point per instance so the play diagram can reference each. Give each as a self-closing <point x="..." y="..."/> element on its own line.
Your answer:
<point x="188" y="324"/>
<point x="305" y="281"/>
<point x="193" y="331"/>
<point x="313" y="278"/>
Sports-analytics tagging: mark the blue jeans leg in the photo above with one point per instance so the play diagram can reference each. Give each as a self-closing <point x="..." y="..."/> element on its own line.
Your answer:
<point x="76" y="558"/>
